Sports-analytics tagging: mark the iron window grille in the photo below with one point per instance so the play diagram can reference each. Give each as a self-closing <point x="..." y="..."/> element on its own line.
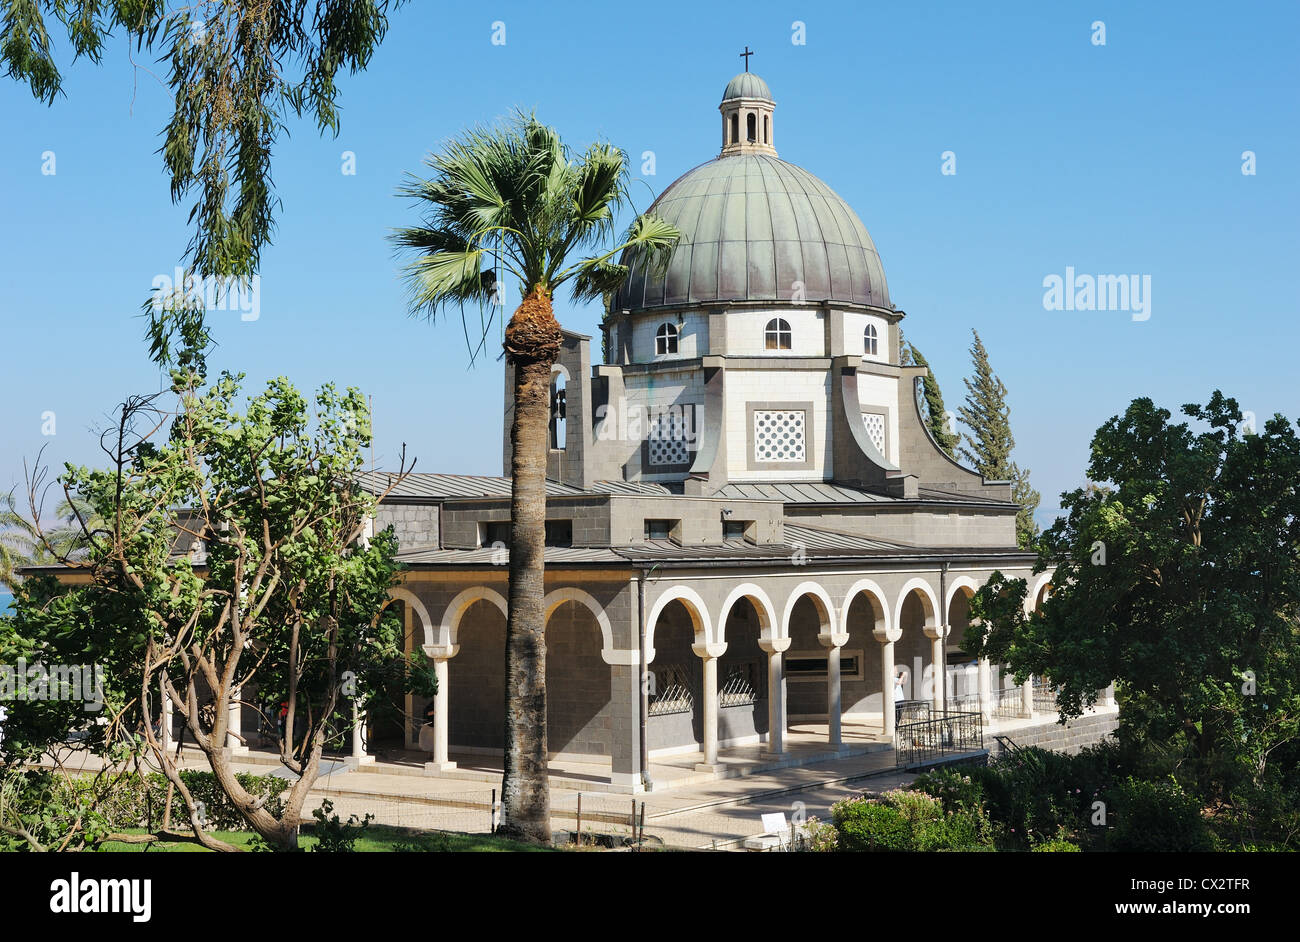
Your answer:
<point x="672" y="691"/>
<point x="743" y="684"/>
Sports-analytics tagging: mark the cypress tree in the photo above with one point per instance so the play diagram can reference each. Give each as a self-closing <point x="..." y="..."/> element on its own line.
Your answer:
<point x="1024" y="495"/>
<point x="988" y="441"/>
<point x="934" y="411"/>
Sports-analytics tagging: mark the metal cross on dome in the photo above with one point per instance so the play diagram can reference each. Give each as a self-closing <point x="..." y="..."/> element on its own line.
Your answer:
<point x="745" y="55"/>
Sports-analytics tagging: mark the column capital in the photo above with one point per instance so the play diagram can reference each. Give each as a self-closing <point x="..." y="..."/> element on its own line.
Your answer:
<point x="833" y="640"/>
<point x="441" y="652"/>
<point x="935" y="632"/>
<point x="774" y="645"/>
<point x="887" y="635"/>
<point x="707" y="651"/>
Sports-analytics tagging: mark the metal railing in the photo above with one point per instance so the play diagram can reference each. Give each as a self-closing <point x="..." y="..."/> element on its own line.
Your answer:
<point x="1044" y="696"/>
<point x="911" y="711"/>
<point x="1008" y="703"/>
<point x="946" y="733"/>
<point x="965" y="703"/>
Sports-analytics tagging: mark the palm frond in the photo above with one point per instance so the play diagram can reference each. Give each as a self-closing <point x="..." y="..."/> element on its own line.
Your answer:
<point x="598" y="280"/>
<point x="444" y="277"/>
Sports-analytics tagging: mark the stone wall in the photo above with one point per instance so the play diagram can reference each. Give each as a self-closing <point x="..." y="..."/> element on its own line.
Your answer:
<point x="416" y="525"/>
<point x="577" y="684"/>
<point x="1049" y="734"/>
<point x="476" y="681"/>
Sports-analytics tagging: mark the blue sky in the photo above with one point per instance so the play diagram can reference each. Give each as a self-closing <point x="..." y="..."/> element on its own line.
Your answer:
<point x="1117" y="159"/>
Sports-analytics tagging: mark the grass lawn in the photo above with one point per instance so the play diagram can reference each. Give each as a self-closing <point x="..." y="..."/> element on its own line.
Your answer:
<point x="377" y="839"/>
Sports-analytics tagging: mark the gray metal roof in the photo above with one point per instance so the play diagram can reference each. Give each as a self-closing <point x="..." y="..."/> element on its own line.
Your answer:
<point x="747" y="85"/>
<point x="434" y="486"/>
<point x="752" y="225"/>
<point x="811" y="492"/>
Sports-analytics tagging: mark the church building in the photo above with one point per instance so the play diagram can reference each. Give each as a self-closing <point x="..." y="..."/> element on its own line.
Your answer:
<point x="750" y="530"/>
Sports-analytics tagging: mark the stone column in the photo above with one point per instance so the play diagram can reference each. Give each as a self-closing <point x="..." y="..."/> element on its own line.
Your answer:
<point x="234" y="727"/>
<point x="986" y="690"/>
<point x="936" y="635"/>
<point x="165" y="721"/>
<point x="358" y="756"/>
<point x="709" y="654"/>
<point x="887" y="639"/>
<point x="775" y="647"/>
<point x="834" y="695"/>
<point x="625" y="706"/>
<point x="1027" y="697"/>
<point x="440" y="654"/>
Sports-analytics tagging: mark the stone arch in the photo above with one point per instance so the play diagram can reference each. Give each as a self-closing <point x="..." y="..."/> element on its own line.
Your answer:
<point x="557" y="597"/>
<point x="876" y="594"/>
<point x="821" y="602"/>
<point x="867" y="694"/>
<point x="914" y="652"/>
<point x="957" y="585"/>
<point x="447" y="631"/>
<point x="695" y="607"/>
<point x="1032" y="598"/>
<point x="929" y="601"/>
<point x="762" y="605"/>
<point x="402" y="594"/>
<point x="579" y="681"/>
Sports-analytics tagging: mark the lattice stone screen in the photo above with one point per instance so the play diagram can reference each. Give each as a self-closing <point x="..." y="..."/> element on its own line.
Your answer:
<point x="875" y="423"/>
<point x="667" y="443"/>
<point x="779" y="435"/>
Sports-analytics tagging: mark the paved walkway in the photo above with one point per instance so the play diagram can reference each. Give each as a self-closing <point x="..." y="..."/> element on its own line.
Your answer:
<point x="685" y="808"/>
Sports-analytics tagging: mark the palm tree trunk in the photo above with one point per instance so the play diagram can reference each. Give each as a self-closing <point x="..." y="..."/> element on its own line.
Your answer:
<point x="532" y="344"/>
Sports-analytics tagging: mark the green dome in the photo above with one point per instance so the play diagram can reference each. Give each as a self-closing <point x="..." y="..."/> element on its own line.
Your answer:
<point x="747" y="85"/>
<point x="752" y="225"/>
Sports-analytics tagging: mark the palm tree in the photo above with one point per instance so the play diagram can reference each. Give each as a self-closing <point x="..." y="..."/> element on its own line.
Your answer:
<point x="515" y="197"/>
<point x="22" y="543"/>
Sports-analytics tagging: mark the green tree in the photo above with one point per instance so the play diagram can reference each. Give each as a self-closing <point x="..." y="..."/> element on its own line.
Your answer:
<point x="1023" y="493"/>
<point x="1178" y="578"/>
<point x="238" y="70"/>
<point x="230" y="569"/>
<point x="988" y="439"/>
<point x="987" y="417"/>
<point x="515" y="196"/>
<point x="935" y="413"/>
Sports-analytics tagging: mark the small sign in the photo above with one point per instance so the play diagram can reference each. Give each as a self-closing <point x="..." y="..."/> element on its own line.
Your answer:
<point x="774" y="823"/>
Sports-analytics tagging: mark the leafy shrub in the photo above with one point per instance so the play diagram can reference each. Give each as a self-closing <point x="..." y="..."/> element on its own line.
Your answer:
<point x="956" y="790"/>
<point x="119" y="801"/>
<point x="904" y="820"/>
<point x="868" y="825"/>
<point x="820" y="836"/>
<point x="1156" y="816"/>
<point x="334" y="836"/>
<point x="1055" y="847"/>
<point x="1032" y="795"/>
<point x="219" y="813"/>
<point x="1260" y="817"/>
